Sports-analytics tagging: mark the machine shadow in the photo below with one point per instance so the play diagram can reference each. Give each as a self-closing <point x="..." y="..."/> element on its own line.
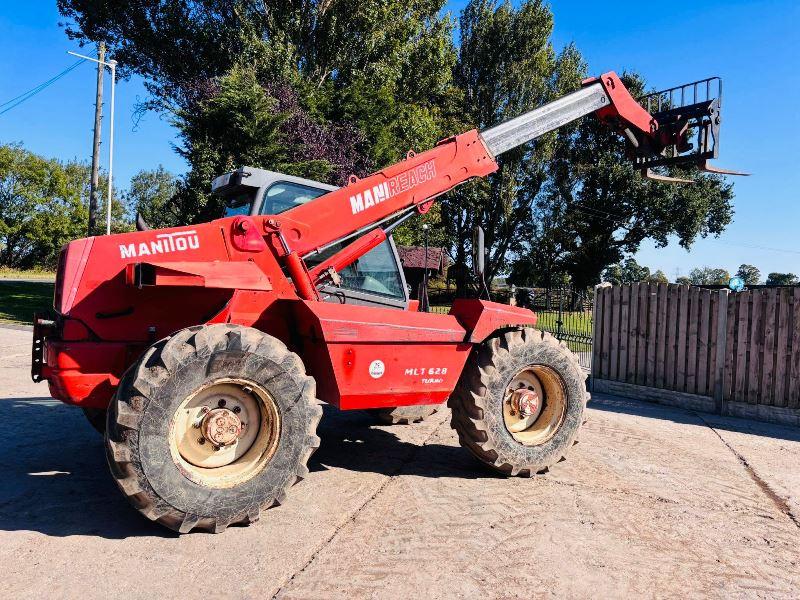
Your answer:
<point x="56" y="480"/>
<point x="350" y="440"/>
<point x="55" y="477"/>
<point x="652" y="410"/>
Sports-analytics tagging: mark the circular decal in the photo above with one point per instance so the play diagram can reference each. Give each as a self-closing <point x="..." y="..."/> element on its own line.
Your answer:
<point x="376" y="369"/>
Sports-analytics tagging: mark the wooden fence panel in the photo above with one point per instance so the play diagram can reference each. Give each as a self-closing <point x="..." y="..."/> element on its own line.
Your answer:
<point x="641" y="334"/>
<point x="661" y="336"/>
<point x="608" y="333"/>
<point x="704" y="315"/>
<point x="683" y="318"/>
<point x="794" y="387"/>
<point x="731" y="325"/>
<point x="782" y="348"/>
<point x="652" y="329"/>
<point x="672" y="329"/>
<point x="734" y="347"/>
<point x="752" y="375"/>
<point x="691" y="347"/>
<point x="616" y="304"/>
<point x="768" y="348"/>
<point x="739" y="391"/>
<point x="625" y="300"/>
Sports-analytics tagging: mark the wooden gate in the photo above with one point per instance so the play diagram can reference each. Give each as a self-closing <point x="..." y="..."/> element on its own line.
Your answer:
<point x="714" y="350"/>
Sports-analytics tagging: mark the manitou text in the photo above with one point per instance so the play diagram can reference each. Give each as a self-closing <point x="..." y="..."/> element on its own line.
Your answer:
<point x="164" y="243"/>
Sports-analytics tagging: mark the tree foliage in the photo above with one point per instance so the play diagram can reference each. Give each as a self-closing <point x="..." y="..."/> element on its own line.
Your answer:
<point x="41" y="207"/>
<point x="749" y="274"/>
<point x="151" y="195"/>
<point x="709" y="276"/>
<point x="782" y="279"/>
<point x="244" y="122"/>
<point x="506" y="66"/>
<point x="628" y="271"/>
<point x="284" y="85"/>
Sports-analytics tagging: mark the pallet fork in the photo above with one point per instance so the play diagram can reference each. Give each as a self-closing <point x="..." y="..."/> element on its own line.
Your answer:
<point x="685" y="130"/>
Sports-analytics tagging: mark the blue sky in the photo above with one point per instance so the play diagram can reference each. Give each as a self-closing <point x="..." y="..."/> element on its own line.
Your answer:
<point x="751" y="45"/>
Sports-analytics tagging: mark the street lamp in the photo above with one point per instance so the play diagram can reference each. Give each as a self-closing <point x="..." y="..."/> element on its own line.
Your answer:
<point x="112" y="64"/>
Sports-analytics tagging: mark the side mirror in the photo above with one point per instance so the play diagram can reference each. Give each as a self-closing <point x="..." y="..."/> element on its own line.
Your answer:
<point x="141" y="224"/>
<point x="480" y="253"/>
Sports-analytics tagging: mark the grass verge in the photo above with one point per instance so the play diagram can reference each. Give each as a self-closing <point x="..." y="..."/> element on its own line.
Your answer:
<point x="34" y="274"/>
<point x="20" y="299"/>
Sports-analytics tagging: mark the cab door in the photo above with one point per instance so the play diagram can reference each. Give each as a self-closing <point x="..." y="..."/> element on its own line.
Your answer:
<point x="375" y="279"/>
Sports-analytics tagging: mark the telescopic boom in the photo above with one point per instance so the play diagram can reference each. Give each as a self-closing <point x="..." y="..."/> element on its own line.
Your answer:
<point x="653" y="139"/>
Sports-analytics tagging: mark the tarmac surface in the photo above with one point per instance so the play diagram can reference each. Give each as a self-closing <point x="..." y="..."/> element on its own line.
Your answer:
<point x="654" y="501"/>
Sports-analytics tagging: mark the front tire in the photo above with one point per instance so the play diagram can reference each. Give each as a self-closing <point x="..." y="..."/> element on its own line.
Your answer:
<point x="211" y="426"/>
<point x="519" y="403"/>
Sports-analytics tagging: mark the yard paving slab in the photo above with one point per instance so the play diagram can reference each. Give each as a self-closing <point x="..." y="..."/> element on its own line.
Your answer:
<point x="653" y="501"/>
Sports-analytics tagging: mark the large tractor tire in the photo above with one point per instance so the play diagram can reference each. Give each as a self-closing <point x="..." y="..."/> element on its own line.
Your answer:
<point x="403" y="415"/>
<point x="520" y="402"/>
<point x="211" y="426"/>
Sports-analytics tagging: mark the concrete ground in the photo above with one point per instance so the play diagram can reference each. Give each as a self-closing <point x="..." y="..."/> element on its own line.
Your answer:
<point x="654" y="501"/>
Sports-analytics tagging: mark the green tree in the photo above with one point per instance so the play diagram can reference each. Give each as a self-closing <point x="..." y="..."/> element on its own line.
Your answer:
<point x="321" y="88"/>
<point x="628" y="271"/>
<point x="658" y="277"/>
<point x="42" y="206"/>
<point x="506" y="66"/>
<point x="709" y="276"/>
<point x="782" y="279"/>
<point x="683" y="280"/>
<point x="749" y="274"/>
<point x="150" y="194"/>
<point x="241" y="123"/>
<point x="601" y="208"/>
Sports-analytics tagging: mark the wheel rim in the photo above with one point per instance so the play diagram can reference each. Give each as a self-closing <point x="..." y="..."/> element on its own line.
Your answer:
<point x="225" y="433"/>
<point x="534" y="405"/>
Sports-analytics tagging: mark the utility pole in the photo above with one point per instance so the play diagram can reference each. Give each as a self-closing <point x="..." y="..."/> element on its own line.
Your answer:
<point x="98" y="117"/>
<point x="112" y="64"/>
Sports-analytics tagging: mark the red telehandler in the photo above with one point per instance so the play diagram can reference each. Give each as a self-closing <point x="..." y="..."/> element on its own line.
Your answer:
<point x="206" y="349"/>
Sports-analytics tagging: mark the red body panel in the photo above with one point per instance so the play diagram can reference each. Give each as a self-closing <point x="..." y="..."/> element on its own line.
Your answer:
<point x="623" y="106"/>
<point x="480" y="317"/>
<point x="364" y="357"/>
<point x="86" y="373"/>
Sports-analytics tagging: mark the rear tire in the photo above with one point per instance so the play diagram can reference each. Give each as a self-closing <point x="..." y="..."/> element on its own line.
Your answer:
<point x="164" y="446"/>
<point x="403" y="415"/>
<point x="489" y="409"/>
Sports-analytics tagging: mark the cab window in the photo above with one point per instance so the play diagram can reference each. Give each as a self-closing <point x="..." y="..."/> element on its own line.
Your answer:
<point x="239" y="204"/>
<point x="376" y="272"/>
<point x="282" y="195"/>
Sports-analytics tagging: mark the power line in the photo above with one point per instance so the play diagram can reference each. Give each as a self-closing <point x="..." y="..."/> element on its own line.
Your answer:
<point x="580" y="209"/>
<point x="17" y="100"/>
<point x="757" y="247"/>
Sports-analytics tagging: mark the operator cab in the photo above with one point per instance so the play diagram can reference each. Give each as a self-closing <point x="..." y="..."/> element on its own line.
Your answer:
<point x="375" y="279"/>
